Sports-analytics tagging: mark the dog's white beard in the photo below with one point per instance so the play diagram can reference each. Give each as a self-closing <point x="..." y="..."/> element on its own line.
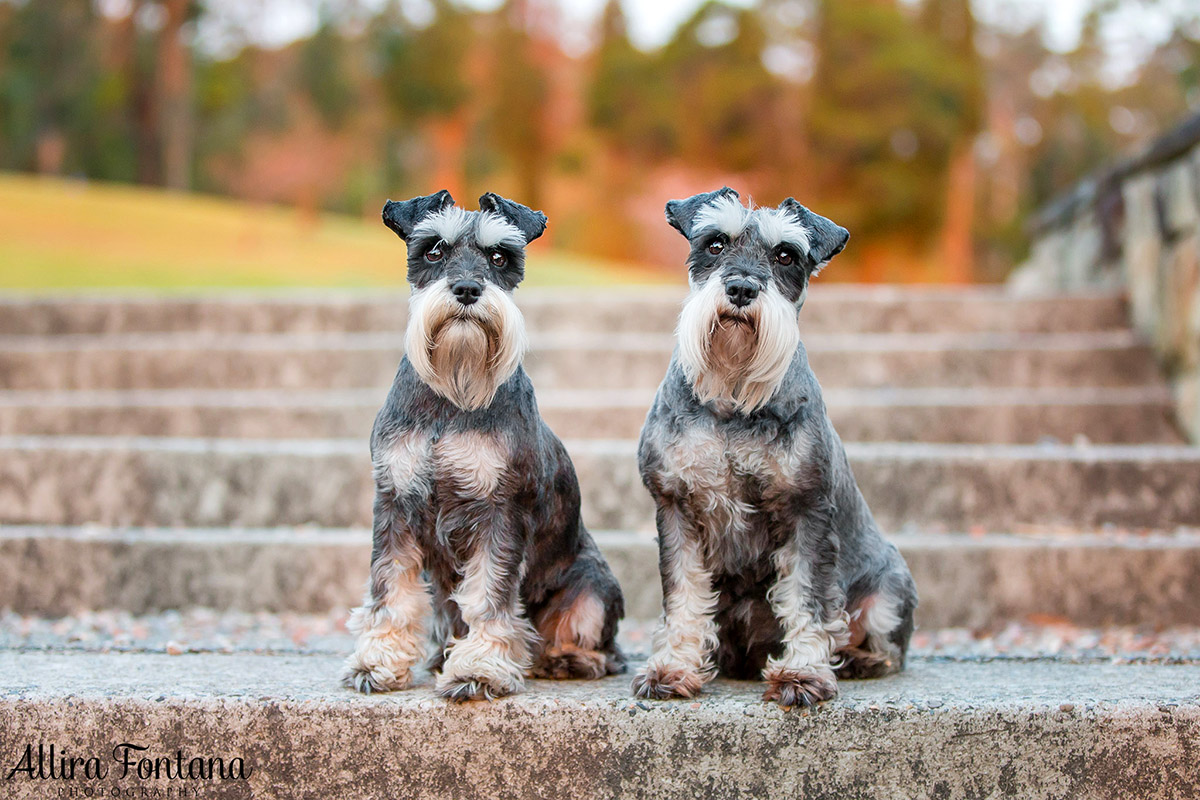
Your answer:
<point x="739" y="363"/>
<point x="464" y="353"/>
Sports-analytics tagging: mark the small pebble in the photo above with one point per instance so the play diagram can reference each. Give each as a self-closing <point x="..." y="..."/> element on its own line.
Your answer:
<point x="1067" y="708"/>
<point x="174" y="648"/>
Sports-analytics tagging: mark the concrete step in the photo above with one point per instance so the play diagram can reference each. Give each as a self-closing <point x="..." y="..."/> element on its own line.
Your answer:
<point x="207" y="630"/>
<point x="1092" y="579"/>
<point x="249" y="482"/>
<point x="567" y="361"/>
<point x="1034" y="729"/>
<point x="829" y="308"/>
<point x="1111" y="416"/>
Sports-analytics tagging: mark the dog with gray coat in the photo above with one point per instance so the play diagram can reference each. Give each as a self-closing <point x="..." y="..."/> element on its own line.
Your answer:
<point x="771" y="562"/>
<point x="476" y="500"/>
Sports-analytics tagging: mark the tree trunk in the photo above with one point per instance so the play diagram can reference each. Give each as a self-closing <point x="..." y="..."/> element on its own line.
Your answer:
<point x="143" y="108"/>
<point x="957" y="241"/>
<point x="448" y="138"/>
<point x="175" y="101"/>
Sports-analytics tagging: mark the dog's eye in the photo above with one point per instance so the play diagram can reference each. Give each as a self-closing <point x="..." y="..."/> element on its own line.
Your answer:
<point x="498" y="259"/>
<point x="435" y="253"/>
<point x="784" y="257"/>
<point x="716" y="246"/>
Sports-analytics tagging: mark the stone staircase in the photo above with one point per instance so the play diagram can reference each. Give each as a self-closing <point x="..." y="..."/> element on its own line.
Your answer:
<point x="163" y="459"/>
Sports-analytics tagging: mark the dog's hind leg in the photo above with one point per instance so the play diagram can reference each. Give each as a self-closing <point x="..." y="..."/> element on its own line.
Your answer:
<point x="571" y="631"/>
<point x="578" y="624"/>
<point x="388" y="625"/>
<point x="881" y="624"/>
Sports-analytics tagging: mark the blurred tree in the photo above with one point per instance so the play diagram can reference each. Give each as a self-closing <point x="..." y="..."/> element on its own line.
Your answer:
<point x="174" y="71"/>
<point x="106" y="99"/>
<point x="959" y="97"/>
<point x="421" y="69"/>
<point x="1070" y="111"/>
<point x="421" y="72"/>
<point x="518" y="90"/>
<point x="49" y="80"/>
<point x="1054" y="117"/>
<point x="923" y="131"/>
<point x="133" y="66"/>
<point x="236" y="100"/>
<point x="324" y="75"/>
<point x="629" y="97"/>
<point x="722" y="94"/>
<point x="895" y="93"/>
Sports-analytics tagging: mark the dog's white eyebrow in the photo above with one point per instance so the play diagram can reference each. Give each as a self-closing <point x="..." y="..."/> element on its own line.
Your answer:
<point x="450" y="224"/>
<point x="777" y="227"/>
<point x="494" y="230"/>
<point x="725" y="214"/>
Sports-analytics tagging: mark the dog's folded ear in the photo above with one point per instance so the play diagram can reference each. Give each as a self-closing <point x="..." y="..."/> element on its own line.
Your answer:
<point x="402" y="217"/>
<point x="529" y="222"/>
<point x="825" y="237"/>
<point x="681" y="213"/>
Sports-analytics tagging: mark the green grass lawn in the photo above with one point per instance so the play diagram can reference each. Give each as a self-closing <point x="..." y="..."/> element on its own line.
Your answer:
<point x="60" y="234"/>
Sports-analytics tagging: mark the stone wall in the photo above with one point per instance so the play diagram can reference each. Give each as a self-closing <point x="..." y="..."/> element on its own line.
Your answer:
<point x="1136" y="226"/>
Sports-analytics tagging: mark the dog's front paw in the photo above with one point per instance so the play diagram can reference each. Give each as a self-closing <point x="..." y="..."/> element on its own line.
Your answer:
<point x="474" y="671"/>
<point x="384" y="653"/>
<point x="800" y="687"/>
<point x="476" y="687"/>
<point x="477" y="668"/>
<point x="662" y="682"/>
<point x="378" y="678"/>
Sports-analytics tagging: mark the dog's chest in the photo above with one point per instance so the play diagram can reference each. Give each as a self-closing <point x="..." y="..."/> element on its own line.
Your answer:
<point x="466" y="463"/>
<point x="734" y="471"/>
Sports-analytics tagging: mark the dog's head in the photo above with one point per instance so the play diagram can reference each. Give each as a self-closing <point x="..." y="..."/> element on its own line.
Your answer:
<point x="748" y="270"/>
<point x="465" y="335"/>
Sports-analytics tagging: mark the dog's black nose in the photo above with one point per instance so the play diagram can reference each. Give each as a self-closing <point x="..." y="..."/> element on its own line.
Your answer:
<point x="740" y="292"/>
<point x="467" y="292"/>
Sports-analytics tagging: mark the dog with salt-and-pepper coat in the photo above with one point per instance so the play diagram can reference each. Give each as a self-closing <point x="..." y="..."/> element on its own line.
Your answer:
<point x="476" y="500"/>
<point x="771" y="562"/>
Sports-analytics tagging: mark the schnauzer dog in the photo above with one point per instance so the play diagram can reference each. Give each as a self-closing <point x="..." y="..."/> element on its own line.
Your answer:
<point x="771" y="561"/>
<point x="475" y="497"/>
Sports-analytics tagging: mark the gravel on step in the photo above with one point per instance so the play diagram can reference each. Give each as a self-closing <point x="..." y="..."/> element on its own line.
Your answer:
<point x="203" y="630"/>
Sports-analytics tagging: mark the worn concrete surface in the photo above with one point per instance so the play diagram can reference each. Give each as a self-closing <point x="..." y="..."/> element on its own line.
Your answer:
<point x="59" y="571"/>
<point x="974" y="415"/>
<point x="1087" y="579"/>
<point x="583" y="360"/>
<point x="259" y="482"/>
<point x="225" y="631"/>
<point x="829" y="307"/>
<point x="941" y="729"/>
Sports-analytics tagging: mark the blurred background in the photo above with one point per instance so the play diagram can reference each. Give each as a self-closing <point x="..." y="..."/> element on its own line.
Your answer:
<point x="186" y="471"/>
<point x="252" y="142"/>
